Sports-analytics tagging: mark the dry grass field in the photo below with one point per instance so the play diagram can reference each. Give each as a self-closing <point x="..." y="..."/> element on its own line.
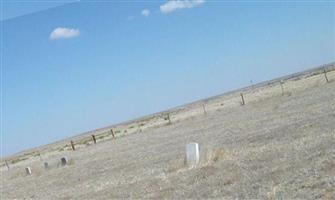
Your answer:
<point x="279" y="145"/>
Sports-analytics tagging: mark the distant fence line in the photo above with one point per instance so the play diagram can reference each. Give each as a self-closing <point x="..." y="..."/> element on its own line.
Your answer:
<point x="167" y="116"/>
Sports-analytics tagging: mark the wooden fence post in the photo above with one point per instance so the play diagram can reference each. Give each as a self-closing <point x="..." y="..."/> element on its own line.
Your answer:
<point x="112" y="132"/>
<point x="72" y="145"/>
<point x="169" y="118"/>
<point x="325" y="73"/>
<point x="282" y="87"/>
<point x="204" y="108"/>
<point x="94" y="140"/>
<point x="242" y="98"/>
<point x="7" y="164"/>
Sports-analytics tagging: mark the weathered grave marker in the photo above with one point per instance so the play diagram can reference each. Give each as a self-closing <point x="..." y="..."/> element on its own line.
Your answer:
<point x="192" y="154"/>
<point x="242" y="99"/>
<point x="72" y="145"/>
<point x="64" y="161"/>
<point x="28" y="171"/>
<point x="46" y="165"/>
<point x="94" y="140"/>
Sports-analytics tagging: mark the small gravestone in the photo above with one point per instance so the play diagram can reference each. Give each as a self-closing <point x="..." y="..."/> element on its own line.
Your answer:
<point x="192" y="154"/>
<point x="64" y="161"/>
<point x="28" y="170"/>
<point x="46" y="166"/>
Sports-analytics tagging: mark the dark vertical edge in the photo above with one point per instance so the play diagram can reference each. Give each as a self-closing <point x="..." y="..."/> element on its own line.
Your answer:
<point x="7" y="164"/>
<point x="325" y="73"/>
<point x="242" y="98"/>
<point x="282" y="87"/>
<point x="94" y="140"/>
<point x="112" y="132"/>
<point x="72" y="145"/>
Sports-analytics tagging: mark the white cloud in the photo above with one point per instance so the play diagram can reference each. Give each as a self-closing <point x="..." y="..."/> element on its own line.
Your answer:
<point x="145" y="12"/>
<point x="63" y="33"/>
<point x="173" y="5"/>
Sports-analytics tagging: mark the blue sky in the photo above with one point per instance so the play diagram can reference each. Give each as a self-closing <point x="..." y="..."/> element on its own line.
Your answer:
<point x="85" y="65"/>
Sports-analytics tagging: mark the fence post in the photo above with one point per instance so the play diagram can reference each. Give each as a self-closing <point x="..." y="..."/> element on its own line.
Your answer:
<point x="168" y="117"/>
<point x="242" y="98"/>
<point x="94" y="140"/>
<point x="204" y="108"/>
<point x="112" y="132"/>
<point x="7" y="165"/>
<point x="282" y="88"/>
<point x="325" y="73"/>
<point x="72" y="145"/>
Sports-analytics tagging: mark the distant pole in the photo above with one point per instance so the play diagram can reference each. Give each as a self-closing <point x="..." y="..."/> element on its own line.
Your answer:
<point x="7" y="165"/>
<point x="72" y="145"/>
<point x="204" y="108"/>
<point x="94" y="140"/>
<point x="242" y="98"/>
<point x="112" y="132"/>
<point x="325" y="73"/>
<point x="282" y="87"/>
<point x="168" y="116"/>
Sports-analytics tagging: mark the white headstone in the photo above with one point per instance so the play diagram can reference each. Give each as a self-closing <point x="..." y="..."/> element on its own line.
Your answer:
<point x="28" y="170"/>
<point x="192" y="154"/>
